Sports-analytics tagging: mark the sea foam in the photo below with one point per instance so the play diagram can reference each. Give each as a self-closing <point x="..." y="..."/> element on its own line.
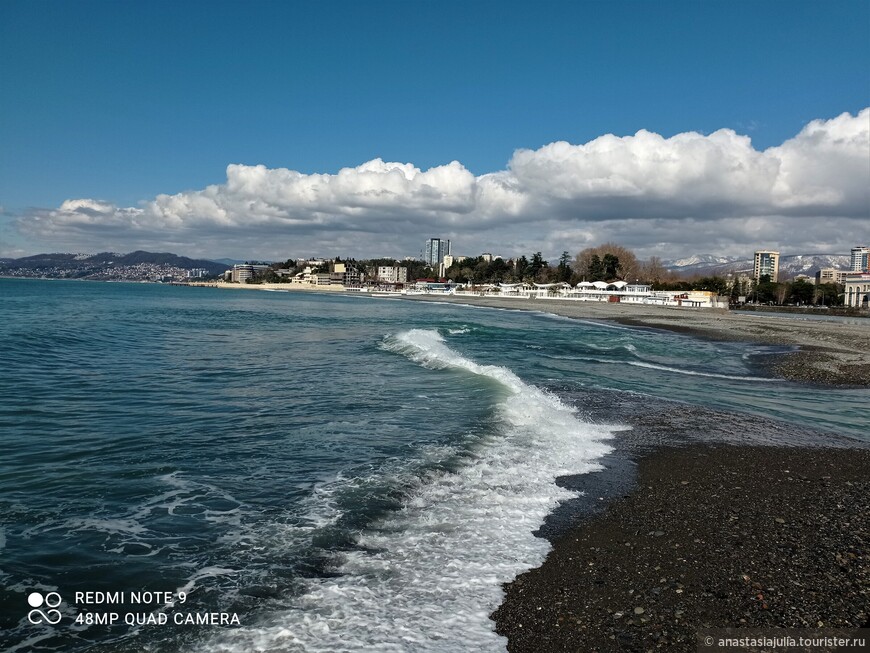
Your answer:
<point x="427" y="577"/>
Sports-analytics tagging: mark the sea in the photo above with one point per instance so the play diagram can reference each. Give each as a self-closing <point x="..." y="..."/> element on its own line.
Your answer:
<point x="302" y="472"/>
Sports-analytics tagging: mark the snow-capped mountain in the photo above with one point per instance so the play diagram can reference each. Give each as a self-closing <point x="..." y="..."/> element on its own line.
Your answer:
<point x="700" y="259"/>
<point x="809" y="264"/>
<point x="789" y="266"/>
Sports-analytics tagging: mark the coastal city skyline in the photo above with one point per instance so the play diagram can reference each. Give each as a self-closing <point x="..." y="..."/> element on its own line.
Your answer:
<point x="554" y="139"/>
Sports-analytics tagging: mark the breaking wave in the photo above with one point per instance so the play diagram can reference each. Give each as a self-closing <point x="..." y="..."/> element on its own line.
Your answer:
<point x="426" y="577"/>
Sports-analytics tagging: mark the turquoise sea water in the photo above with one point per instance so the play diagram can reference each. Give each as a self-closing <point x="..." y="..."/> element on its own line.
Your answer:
<point x="341" y="473"/>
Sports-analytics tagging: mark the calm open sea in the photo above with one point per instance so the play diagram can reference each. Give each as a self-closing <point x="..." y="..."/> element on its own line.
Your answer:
<point x="341" y="473"/>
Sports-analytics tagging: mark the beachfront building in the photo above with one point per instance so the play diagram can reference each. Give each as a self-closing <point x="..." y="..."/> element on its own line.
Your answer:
<point x="766" y="264"/>
<point x="242" y="272"/>
<point x="857" y="289"/>
<point x="614" y="292"/>
<point x="392" y="274"/>
<point x="306" y="276"/>
<point x="830" y="275"/>
<point x="433" y="286"/>
<point x="435" y="251"/>
<point x="352" y="277"/>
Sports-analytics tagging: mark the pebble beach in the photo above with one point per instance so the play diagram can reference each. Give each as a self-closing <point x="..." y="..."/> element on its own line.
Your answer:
<point x="711" y="537"/>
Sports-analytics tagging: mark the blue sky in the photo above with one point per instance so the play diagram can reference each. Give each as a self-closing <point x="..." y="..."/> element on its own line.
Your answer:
<point x="122" y="101"/>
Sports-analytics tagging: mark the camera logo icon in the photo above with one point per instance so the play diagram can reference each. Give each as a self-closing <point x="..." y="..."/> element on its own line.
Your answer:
<point x="36" y="601"/>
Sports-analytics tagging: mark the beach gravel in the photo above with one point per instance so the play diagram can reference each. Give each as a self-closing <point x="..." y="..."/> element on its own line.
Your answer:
<point x="712" y="536"/>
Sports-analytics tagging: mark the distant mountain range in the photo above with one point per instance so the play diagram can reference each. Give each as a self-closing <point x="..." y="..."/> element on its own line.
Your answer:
<point x="85" y="265"/>
<point x="789" y="266"/>
<point x="229" y="262"/>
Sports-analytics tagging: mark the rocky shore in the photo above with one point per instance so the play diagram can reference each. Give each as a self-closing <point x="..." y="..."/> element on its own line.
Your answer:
<point x="711" y="536"/>
<point x="826" y="352"/>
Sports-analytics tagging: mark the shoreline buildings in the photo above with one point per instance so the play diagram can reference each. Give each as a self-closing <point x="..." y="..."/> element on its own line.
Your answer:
<point x="766" y="263"/>
<point x="240" y="273"/>
<point x="392" y="274"/>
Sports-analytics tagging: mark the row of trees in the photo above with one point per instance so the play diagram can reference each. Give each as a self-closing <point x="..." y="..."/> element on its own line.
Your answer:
<point x="765" y="291"/>
<point x="610" y="262"/>
<point x="800" y="293"/>
<point x="607" y="262"/>
<point x="480" y="270"/>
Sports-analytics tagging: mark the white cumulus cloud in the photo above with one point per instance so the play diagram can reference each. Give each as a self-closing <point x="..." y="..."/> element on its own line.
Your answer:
<point x="687" y="193"/>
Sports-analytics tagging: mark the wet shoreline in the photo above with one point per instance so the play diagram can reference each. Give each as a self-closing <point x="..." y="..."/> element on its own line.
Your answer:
<point x="828" y="353"/>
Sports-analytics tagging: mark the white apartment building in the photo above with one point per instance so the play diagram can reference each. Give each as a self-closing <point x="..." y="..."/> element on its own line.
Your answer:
<point x="393" y="274"/>
<point x="859" y="260"/>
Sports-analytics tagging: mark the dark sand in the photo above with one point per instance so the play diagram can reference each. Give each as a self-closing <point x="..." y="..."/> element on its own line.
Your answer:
<point x="720" y="536"/>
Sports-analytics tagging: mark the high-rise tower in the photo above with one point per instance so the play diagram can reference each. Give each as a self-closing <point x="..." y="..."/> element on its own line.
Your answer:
<point x="858" y="261"/>
<point x="766" y="263"/>
<point x="436" y="250"/>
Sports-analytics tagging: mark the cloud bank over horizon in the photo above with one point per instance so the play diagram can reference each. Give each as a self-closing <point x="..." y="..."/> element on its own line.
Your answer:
<point x="690" y="193"/>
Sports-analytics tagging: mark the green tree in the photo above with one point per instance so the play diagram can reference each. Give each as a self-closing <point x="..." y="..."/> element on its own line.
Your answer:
<point x="481" y="271"/>
<point x="765" y="290"/>
<point x="672" y="285"/>
<point x="736" y="289"/>
<point x="563" y="270"/>
<point x="538" y="263"/>
<point x="610" y="263"/>
<point x="595" y="269"/>
<point x="713" y="284"/>
<point x="498" y="271"/>
<point x="522" y="267"/>
<point x="829" y="294"/>
<point x="802" y="292"/>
